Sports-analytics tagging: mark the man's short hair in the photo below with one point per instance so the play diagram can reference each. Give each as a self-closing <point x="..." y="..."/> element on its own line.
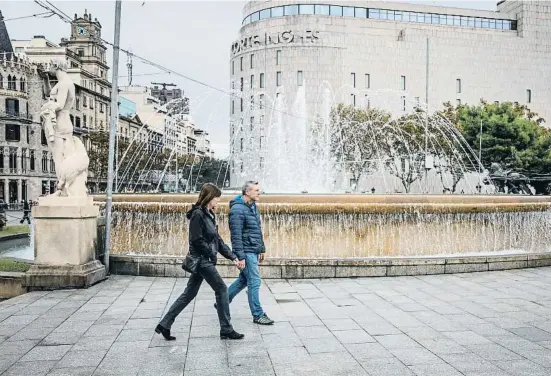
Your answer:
<point x="248" y="186"/>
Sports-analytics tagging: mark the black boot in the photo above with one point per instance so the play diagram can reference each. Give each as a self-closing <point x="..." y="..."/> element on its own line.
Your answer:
<point x="165" y="332"/>
<point x="231" y="335"/>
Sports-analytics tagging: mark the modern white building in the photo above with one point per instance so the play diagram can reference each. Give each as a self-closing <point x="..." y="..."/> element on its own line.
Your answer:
<point x="380" y="54"/>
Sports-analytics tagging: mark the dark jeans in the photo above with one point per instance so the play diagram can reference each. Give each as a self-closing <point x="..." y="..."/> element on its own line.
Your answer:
<point x="25" y="217"/>
<point x="207" y="271"/>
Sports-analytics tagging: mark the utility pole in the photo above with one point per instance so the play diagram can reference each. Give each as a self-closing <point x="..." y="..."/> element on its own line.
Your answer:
<point x="112" y="130"/>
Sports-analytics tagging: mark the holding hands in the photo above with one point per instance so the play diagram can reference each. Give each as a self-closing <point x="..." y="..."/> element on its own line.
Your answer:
<point x="240" y="264"/>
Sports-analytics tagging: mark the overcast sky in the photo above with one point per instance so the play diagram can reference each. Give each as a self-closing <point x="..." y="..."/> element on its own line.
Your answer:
<point x="190" y="37"/>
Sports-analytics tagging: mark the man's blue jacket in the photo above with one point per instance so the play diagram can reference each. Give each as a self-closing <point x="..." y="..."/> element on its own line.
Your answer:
<point x="245" y="228"/>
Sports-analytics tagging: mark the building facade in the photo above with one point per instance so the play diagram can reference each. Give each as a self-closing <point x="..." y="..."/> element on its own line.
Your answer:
<point x="379" y="54"/>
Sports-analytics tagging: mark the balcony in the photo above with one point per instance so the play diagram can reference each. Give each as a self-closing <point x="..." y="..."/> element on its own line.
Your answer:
<point x="15" y="115"/>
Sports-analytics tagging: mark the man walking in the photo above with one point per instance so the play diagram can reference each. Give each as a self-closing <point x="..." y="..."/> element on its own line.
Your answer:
<point x="26" y="212"/>
<point x="248" y="245"/>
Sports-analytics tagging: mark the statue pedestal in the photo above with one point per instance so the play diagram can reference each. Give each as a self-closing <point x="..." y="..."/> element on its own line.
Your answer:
<point x="64" y="244"/>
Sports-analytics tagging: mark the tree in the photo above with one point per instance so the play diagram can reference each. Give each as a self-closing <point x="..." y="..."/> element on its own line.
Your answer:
<point x="512" y="135"/>
<point x="203" y="169"/>
<point x="354" y="141"/>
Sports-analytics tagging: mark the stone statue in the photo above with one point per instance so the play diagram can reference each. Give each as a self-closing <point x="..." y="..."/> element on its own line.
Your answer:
<point x="69" y="154"/>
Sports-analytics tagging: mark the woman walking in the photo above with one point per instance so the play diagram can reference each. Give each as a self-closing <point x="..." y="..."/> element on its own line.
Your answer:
<point x="204" y="243"/>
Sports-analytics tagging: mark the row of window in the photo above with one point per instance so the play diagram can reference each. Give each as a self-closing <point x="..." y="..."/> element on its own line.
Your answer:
<point x="12" y="83"/>
<point x="381" y="14"/>
<point x="252" y="62"/>
<point x="86" y="102"/>
<point x="26" y="161"/>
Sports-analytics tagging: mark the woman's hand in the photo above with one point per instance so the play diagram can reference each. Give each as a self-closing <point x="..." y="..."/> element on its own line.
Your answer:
<point x="240" y="264"/>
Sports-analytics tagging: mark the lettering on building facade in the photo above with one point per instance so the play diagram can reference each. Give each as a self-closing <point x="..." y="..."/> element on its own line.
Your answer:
<point x="267" y="39"/>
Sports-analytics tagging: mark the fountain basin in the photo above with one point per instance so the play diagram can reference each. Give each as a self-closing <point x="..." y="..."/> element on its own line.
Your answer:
<point x="343" y="227"/>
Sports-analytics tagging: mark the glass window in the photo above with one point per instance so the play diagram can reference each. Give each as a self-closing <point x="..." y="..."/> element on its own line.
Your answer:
<point x="265" y="13"/>
<point x="241" y="83"/>
<point x="261" y="101"/>
<point x="353" y="79"/>
<point x="383" y="14"/>
<point x="470" y="21"/>
<point x="353" y="100"/>
<point x="478" y="22"/>
<point x="360" y="13"/>
<point x="485" y="23"/>
<point x="403" y="83"/>
<point x="367" y="81"/>
<point x="278" y="57"/>
<point x="499" y="24"/>
<point x="492" y="24"/>
<point x="277" y="12"/>
<point x="390" y="15"/>
<point x="507" y="25"/>
<point x="421" y="17"/>
<point x="262" y="80"/>
<point x="348" y="11"/>
<point x="300" y="79"/>
<point x="528" y="96"/>
<point x="291" y="10"/>
<point x="335" y="10"/>
<point x="443" y="19"/>
<point x="458" y="102"/>
<point x="449" y="20"/>
<point x="278" y="78"/>
<point x="403" y="103"/>
<point x="322" y="9"/>
<point x="513" y="25"/>
<point x="435" y="19"/>
<point x="255" y="16"/>
<point x="464" y="21"/>
<point x="232" y="107"/>
<point x="428" y="18"/>
<point x="252" y="81"/>
<point x="374" y="13"/>
<point x="252" y="61"/>
<point x="241" y="63"/>
<point x="398" y="15"/>
<point x="456" y="21"/>
<point x="458" y="85"/>
<point x="306" y="9"/>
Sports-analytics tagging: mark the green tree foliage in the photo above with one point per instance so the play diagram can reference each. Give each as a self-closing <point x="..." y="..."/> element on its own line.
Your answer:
<point x="197" y="171"/>
<point x="512" y="135"/>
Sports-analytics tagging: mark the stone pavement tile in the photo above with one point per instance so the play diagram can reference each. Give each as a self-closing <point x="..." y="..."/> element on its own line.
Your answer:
<point x="118" y="319"/>
<point x="422" y="332"/>
<point x="51" y="321"/>
<point x="198" y="331"/>
<point x="466" y="338"/>
<point x="289" y="355"/>
<point x="353" y="336"/>
<point x="39" y="353"/>
<point x="61" y="338"/>
<point x="323" y="345"/>
<point x="517" y="344"/>
<point x="141" y="324"/>
<point x="442" y="345"/>
<point x="21" y="319"/>
<point x="469" y="363"/>
<point x="86" y="316"/>
<point x="103" y="330"/>
<point x="198" y="345"/>
<point x="74" y="326"/>
<point x="207" y="361"/>
<point x="488" y="330"/>
<point x="493" y="351"/>
<point x="379" y="327"/>
<point x="182" y="339"/>
<point x="341" y="324"/>
<point x="415" y="356"/>
<point x="74" y="371"/>
<point x="441" y="369"/>
<point x="261" y="362"/>
<point x="6" y="361"/>
<point x="283" y="340"/>
<point x="412" y="307"/>
<point x="386" y="367"/>
<point x="362" y="351"/>
<point x="523" y="368"/>
<point x="532" y="334"/>
<point x="299" y="321"/>
<point x="17" y="347"/>
<point x="10" y="330"/>
<point x="505" y="322"/>
<point x="279" y="328"/>
<point x="131" y="335"/>
<point x="37" y="368"/>
<point x="313" y="332"/>
<point x="85" y="358"/>
<point x="163" y="361"/>
<point x="541" y="357"/>
<point x="93" y="343"/>
<point x="396" y="341"/>
<point x="31" y="332"/>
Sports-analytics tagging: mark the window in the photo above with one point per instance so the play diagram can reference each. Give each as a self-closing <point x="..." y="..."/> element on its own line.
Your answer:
<point x="261" y="162"/>
<point x="278" y="78"/>
<point x="84" y="121"/>
<point x="261" y="101"/>
<point x="458" y="86"/>
<point x="278" y="57"/>
<point x="241" y="104"/>
<point x="403" y="83"/>
<point x="80" y="52"/>
<point x="241" y="63"/>
<point x="43" y="140"/>
<point x="252" y="81"/>
<point x="291" y="10"/>
<point x="32" y="161"/>
<point x="1" y="81"/>
<point x="52" y="165"/>
<point x="22" y="84"/>
<point x="101" y="108"/>
<point x="261" y="141"/>
<point x="44" y="161"/>
<point x="265" y="13"/>
<point x="24" y="160"/>
<point x="348" y="11"/>
<point x="232" y="107"/>
<point x="353" y="79"/>
<point x="367" y="80"/>
<point x="77" y="124"/>
<point x="360" y="13"/>
<point x="251" y="123"/>
<point x="1" y="159"/>
<point x="367" y="102"/>
<point x="13" y="160"/>
<point x="91" y="103"/>
<point x="252" y="61"/>
<point x="84" y="101"/>
<point x="299" y="78"/>
<point x="77" y="103"/>
<point x="417" y="102"/>
<point x="277" y="12"/>
<point x="233" y="67"/>
<point x="241" y="83"/>
<point x="241" y="144"/>
<point x="306" y="9"/>
<point x="28" y="129"/>
<point x="353" y="100"/>
<point x="13" y="132"/>
<point x="12" y="107"/>
<point x="458" y="102"/>
<point x="528" y="96"/>
<point x="92" y="124"/>
<point x="262" y="80"/>
<point x="335" y="10"/>
<point x="403" y="103"/>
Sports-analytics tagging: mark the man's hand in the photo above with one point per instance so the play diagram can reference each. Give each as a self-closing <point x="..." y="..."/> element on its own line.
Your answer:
<point x="240" y="264"/>
<point x="261" y="258"/>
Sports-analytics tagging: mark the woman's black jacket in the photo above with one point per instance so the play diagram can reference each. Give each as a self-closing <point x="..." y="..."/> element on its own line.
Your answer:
<point x="204" y="239"/>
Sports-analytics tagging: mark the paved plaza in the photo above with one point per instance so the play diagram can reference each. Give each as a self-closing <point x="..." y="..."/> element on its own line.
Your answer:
<point x="486" y="324"/>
